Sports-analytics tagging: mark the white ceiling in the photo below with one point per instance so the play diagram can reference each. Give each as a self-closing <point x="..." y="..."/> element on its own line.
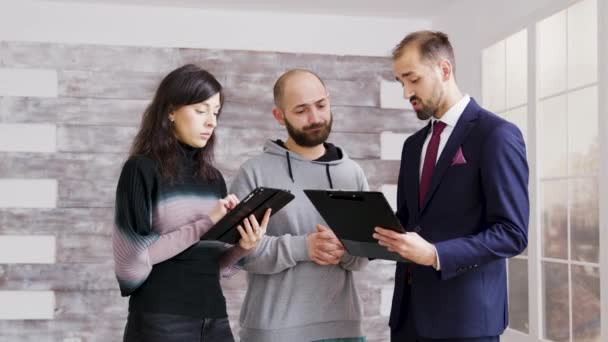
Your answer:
<point x="415" y="9"/>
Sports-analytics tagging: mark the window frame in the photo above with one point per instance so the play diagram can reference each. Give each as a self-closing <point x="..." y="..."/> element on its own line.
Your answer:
<point x="535" y="251"/>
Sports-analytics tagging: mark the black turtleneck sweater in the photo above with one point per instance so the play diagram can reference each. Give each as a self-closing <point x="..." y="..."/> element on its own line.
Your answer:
<point x="159" y="258"/>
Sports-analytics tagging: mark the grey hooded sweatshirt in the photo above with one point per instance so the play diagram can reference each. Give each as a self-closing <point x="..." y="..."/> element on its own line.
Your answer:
<point x="289" y="297"/>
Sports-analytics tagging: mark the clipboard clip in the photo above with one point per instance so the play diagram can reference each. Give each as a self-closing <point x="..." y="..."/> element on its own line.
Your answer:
<point x="348" y="197"/>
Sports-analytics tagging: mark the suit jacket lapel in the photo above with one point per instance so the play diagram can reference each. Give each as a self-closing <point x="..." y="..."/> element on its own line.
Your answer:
<point x="461" y="131"/>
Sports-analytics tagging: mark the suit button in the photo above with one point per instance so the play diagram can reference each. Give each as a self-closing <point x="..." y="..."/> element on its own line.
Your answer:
<point x="417" y="229"/>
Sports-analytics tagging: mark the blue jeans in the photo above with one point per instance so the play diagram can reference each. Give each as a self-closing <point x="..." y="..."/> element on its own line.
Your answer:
<point x="157" y="327"/>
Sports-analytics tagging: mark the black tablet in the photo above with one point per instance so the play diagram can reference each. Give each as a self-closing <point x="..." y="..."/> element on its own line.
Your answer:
<point x="353" y="215"/>
<point x="256" y="203"/>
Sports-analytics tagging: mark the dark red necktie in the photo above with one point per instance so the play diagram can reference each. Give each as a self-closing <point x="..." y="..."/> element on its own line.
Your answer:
<point x="430" y="158"/>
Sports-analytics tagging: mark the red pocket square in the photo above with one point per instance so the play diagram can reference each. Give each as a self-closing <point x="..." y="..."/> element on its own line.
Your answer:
<point x="459" y="158"/>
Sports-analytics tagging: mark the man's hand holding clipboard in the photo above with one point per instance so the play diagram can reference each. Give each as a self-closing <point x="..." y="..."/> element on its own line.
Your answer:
<point x="353" y="216"/>
<point x="410" y="246"/>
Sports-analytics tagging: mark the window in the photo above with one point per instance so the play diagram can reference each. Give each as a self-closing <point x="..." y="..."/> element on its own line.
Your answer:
<point x="566" y="143"/>
<point x="569" y="146"/>
<point x="505" y="84"/>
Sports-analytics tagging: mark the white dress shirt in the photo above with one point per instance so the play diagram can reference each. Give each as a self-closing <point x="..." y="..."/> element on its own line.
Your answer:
<point x="450" y="118"/>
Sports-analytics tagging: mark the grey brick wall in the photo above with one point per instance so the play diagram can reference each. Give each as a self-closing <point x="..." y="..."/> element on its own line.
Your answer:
<point x="102" y="91"/>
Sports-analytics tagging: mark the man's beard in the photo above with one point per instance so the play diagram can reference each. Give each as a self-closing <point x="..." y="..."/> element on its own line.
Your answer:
<point x="307" y="137"/>
<point x="428" y="110"/>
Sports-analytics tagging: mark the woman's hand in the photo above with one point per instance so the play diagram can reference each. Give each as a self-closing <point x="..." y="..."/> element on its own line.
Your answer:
<point x="222" y="207"/>
<point x="253" y="232"/>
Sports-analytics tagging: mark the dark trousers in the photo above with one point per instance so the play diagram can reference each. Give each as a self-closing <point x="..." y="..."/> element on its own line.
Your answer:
<point x="156" y="327"/>
<point x="407" y="333"/>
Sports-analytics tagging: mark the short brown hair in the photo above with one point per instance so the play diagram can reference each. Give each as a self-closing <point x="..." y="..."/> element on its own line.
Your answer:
<point x="279" y="85"/>
<point x="431" y="44"/>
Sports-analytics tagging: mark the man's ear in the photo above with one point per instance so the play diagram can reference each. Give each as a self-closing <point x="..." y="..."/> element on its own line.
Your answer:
<point x="278" y="115"/>
<point x="446" y="69"/>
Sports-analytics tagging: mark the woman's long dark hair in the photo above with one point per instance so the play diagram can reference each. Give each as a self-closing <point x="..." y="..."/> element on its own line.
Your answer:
<point x="156" y="139"/>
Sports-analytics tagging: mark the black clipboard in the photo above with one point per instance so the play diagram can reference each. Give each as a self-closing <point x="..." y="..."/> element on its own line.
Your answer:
<point x="256" y="203"/>
<point x="353" y="215"/>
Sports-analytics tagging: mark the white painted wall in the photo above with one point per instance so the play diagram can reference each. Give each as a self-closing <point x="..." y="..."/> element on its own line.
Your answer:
<point x="28" y="82"/>
<point x="28" y="137"/>
<point x="28" y="193"/>
<point x="27" y="249"/>
<point x="27" y="305"/>
<point x="110" y="24"/>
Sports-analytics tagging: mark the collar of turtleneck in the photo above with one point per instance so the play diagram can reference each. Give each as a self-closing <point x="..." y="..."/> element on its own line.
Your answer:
<point x="187" y="151"/>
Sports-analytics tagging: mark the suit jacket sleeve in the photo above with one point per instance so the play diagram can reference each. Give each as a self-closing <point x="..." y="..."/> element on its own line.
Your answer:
<point x="504" y="184"/>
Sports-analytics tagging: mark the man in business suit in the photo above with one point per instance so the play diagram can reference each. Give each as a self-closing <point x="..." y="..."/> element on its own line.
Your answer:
<point x="462" y="198"/>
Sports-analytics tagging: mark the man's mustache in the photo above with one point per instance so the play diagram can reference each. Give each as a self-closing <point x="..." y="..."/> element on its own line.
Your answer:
<point x="314" y="126"/>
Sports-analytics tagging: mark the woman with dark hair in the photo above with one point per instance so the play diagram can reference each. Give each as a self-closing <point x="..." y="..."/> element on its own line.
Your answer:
<point x="169" y="194"/>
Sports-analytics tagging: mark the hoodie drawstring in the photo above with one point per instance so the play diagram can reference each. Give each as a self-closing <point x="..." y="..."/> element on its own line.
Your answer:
<point x="287" y="156"/>
<point x="331" y="184"/>
<point x="289" y="166"/>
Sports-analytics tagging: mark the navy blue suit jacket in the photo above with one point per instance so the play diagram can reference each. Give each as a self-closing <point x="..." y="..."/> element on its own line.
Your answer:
<point x="476" y="215"/>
